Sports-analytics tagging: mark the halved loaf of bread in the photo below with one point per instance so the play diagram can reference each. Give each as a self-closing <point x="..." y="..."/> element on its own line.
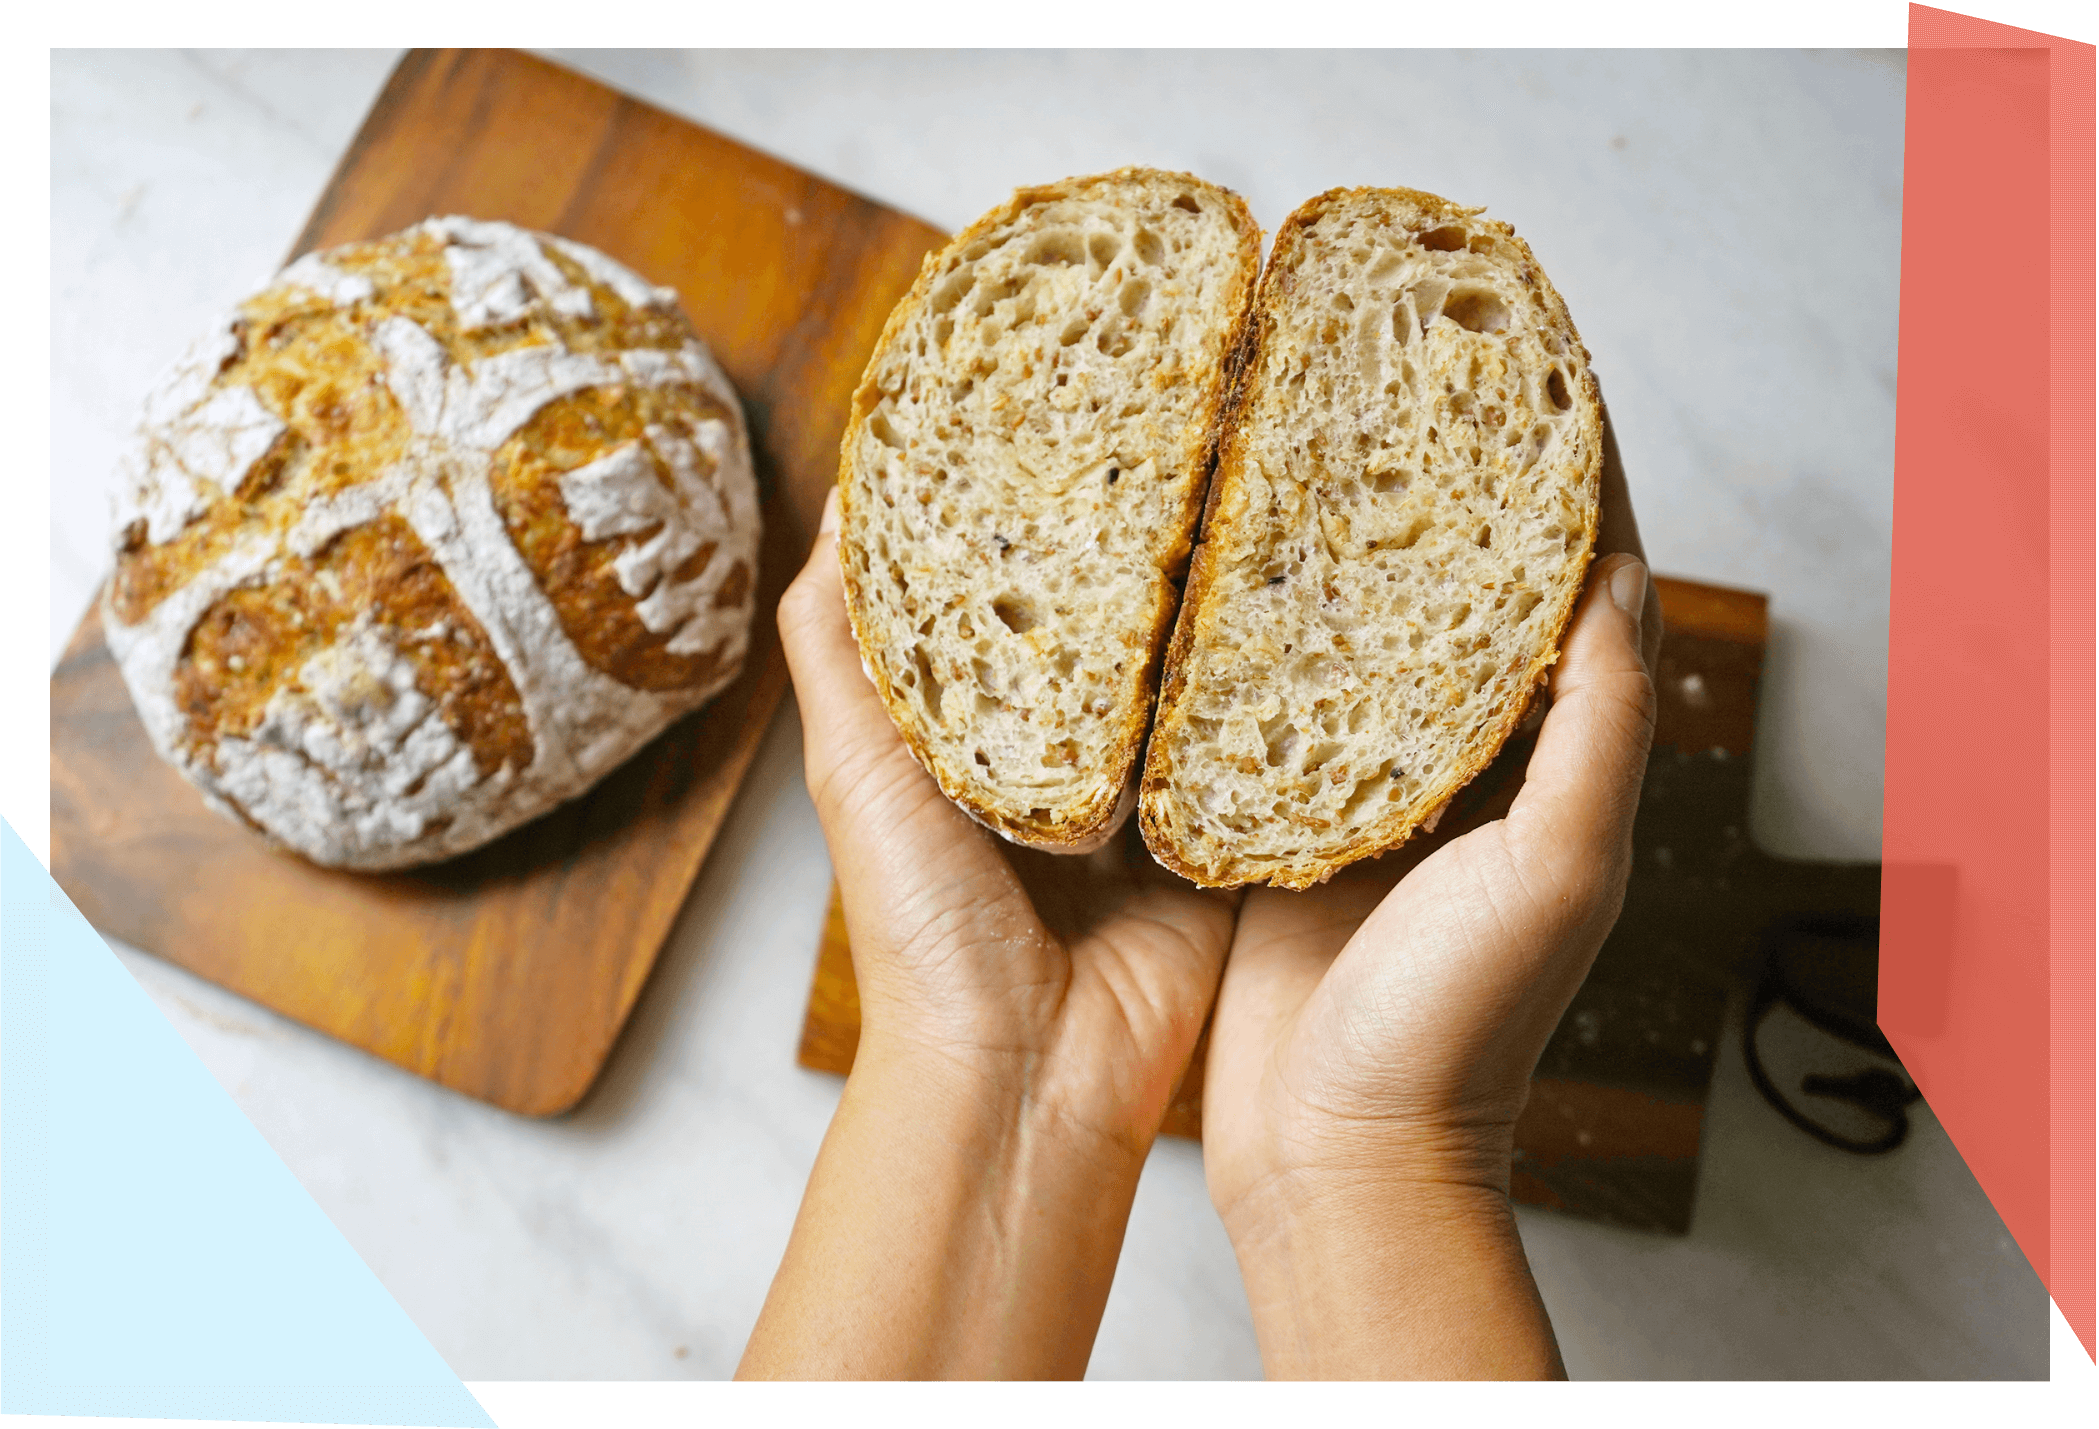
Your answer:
<point x="1403" y="511"/>
<point x="1020" y="483"/>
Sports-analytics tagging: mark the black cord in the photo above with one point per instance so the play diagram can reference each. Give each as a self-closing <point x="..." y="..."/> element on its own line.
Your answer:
<point x="1875" y="1090"/>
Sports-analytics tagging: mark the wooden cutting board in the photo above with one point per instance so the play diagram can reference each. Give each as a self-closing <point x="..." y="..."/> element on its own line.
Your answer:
<point x="1617" y="1107"/>
<point x="508" y="973"/>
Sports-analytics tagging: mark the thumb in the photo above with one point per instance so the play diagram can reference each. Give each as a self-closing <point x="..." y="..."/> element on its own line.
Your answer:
<point x="846" y="732"/>
<point x="1575" y="812"/>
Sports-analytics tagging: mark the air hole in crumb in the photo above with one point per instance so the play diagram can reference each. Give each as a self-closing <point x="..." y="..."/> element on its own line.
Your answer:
<point x="1074" y="329"/>
<point x="950" y="290"/>
<point x="878" y="426"/>
<point x="1556" y="389"/>
<point x="1188" y="203"/>
<point x="929" y="687"/>
<point x="1476" y="310"/>
<point x="1102" y="248"/>
<point x="1279" y="739"/>
<point x="1443" y="240"/>
<point x="982" y="760"/>
<point x="1016" y="615"/>
<point x="1149" y="250"/>
<point x="1057" y="248"/>
<point x="1133" y="295"/>
<point x="1352" y="807"/>
<point x="1485" y="537"/>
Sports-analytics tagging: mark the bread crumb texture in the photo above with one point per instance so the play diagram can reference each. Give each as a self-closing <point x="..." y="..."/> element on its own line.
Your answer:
<point x="1021" y="480"/>
<point x="1405" y="506"/>
<point x="426" y="537"/>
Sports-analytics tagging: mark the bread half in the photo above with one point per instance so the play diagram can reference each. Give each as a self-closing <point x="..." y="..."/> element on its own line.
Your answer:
<point x="1020" y="482"/>
<point x="1403" y="512"/>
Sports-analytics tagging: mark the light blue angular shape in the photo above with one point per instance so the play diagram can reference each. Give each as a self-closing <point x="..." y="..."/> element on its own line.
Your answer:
<point x="156" y="1259"/>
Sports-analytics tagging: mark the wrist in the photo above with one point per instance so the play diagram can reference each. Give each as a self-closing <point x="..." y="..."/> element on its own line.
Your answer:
<point x="1375" y="1164"/>
<point x="1066" y="1084"/>
<point x="1381" y="1272"/>
<point x="955" y="1225"/>
<point x="1003" y="1112"/>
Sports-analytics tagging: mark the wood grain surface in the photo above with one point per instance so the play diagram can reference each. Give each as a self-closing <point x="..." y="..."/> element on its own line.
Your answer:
<point x="1617" y="1106"/>
<point x="507" y="974"/>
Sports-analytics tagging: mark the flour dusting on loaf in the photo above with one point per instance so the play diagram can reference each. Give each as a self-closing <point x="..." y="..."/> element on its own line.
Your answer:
<point x="1405" y="506"/>
<point x="1020" y="483"/>
<point x="428" y="536"/>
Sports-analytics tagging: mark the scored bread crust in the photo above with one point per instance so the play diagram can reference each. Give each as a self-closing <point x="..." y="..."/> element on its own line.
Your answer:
<point x="1082" y="819"/>
<point x="426" y="537"/>
<point x="1164" y="806"/>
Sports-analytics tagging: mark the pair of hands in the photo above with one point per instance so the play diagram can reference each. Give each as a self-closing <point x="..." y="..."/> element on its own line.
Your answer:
<point x="1025" y="1017"/>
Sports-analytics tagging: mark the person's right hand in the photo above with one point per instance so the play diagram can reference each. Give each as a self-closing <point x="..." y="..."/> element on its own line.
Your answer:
<point x="1374" y="1040"/>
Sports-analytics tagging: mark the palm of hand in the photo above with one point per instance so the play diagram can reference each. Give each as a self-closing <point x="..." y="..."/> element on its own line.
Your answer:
<point x="1379" y="1011"/>
<point x="1086" y="978"/>
<point x="1091" y="971"/>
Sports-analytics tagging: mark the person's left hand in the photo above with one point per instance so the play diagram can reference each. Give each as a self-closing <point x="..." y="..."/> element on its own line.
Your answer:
<point x="1024" y="1018"/>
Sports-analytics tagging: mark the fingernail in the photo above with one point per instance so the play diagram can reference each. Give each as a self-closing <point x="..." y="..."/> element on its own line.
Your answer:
<point x="828" y="523"/>
<point x="1629" y="589"/>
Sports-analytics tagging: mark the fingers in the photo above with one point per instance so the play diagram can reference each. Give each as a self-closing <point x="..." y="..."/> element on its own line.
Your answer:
<point x="1574" y="816"/>
<point x="1617" y="530"/>
<point x="822" y="657"/>
<point x="850" y="748"/>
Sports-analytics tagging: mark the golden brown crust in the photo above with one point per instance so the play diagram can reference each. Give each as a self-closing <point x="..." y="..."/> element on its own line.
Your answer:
<point x="1197" y="613"/>
<point x="1072" y="829"/>
<point x="578" y="575"/>
<point x="452" y="542"/>
<point x="312" y="364"/>
<point x="254" y="638"/>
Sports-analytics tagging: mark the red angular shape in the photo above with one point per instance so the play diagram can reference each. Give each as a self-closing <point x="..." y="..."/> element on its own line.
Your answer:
<point x="1987" y="906"/>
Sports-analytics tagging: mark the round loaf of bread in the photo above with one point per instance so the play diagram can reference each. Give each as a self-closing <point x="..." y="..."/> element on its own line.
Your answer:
<point x="428" y="536"/>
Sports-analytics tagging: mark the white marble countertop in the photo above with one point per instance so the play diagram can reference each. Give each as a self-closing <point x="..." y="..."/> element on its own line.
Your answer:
<point x="1725" y="228"/>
